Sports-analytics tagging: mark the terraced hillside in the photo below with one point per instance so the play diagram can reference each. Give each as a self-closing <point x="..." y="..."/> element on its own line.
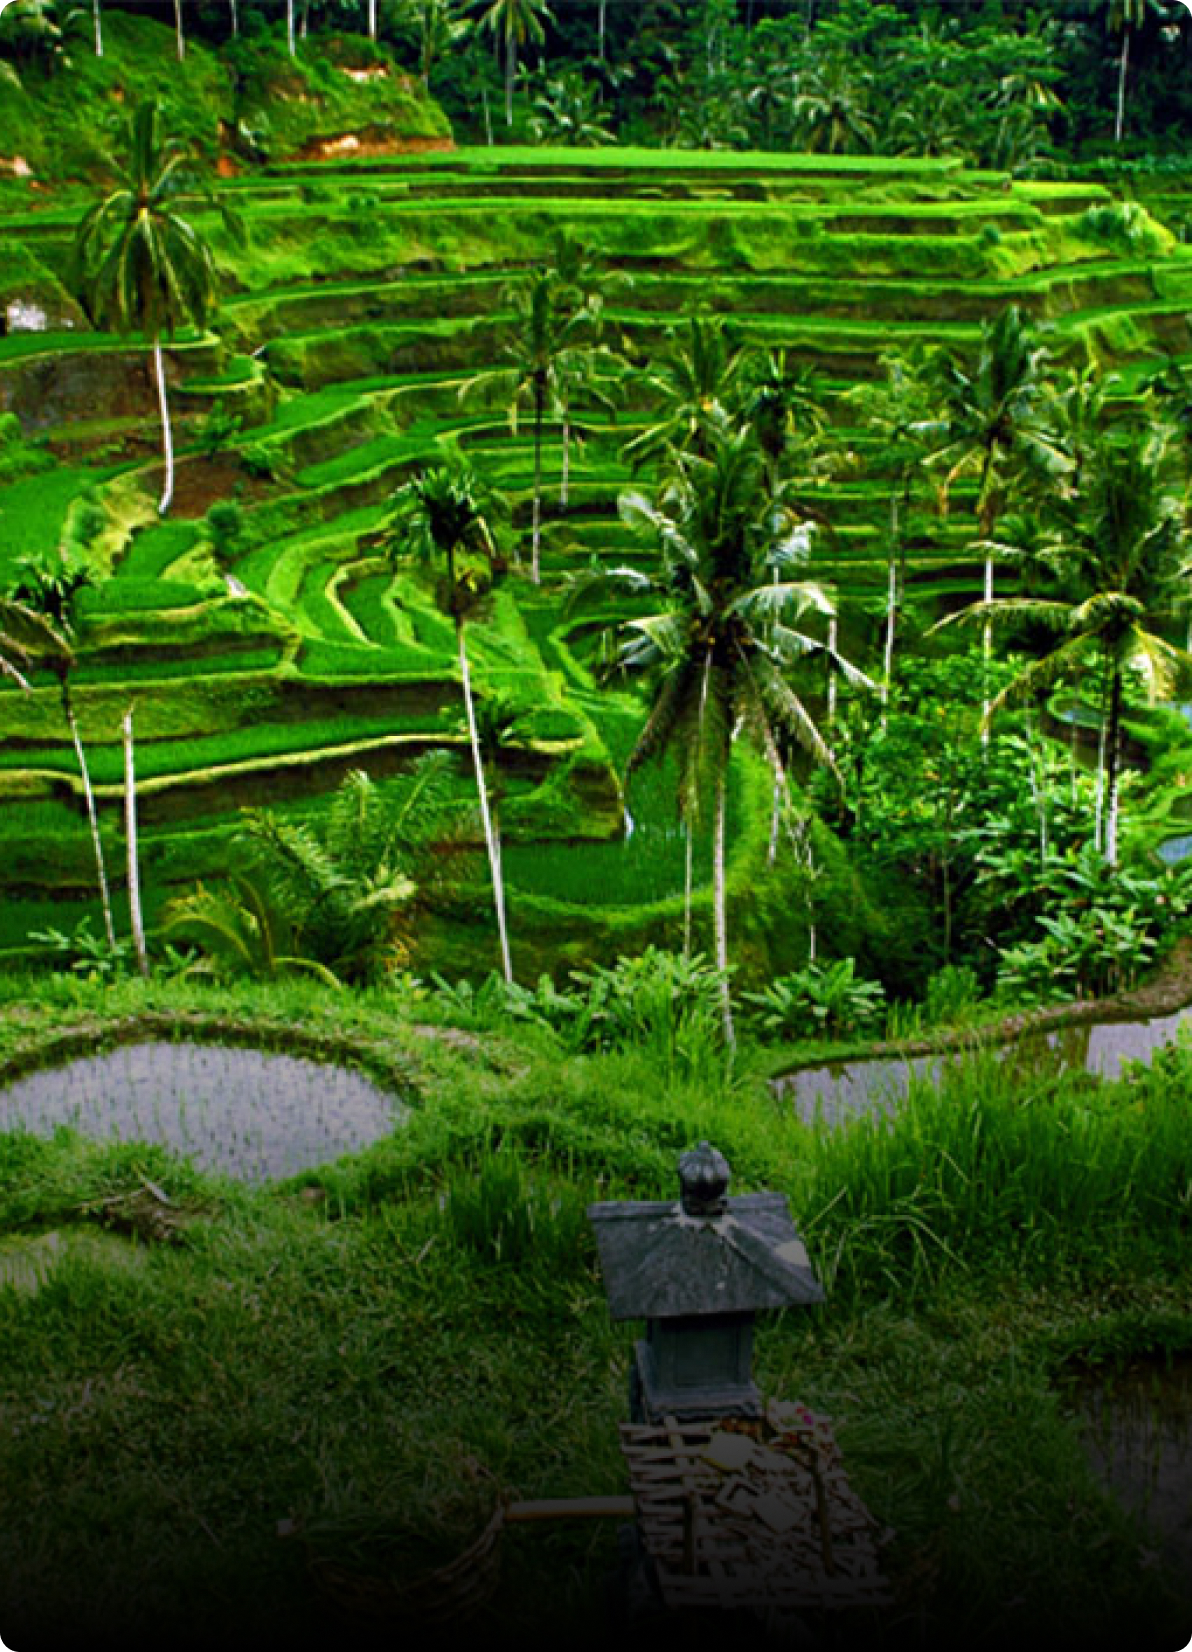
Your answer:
<point x="268" y="655"/>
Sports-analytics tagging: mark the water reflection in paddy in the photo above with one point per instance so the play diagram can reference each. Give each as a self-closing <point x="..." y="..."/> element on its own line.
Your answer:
<point x="839" y="1091"/>
<point x="254" y="1116"/>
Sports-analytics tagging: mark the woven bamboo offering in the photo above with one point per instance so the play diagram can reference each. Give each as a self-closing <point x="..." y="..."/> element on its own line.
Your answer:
<point x="753" y="1515"/>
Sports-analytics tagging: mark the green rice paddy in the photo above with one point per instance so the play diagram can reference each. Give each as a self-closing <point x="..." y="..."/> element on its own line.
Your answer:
<point x="372" y="289"/>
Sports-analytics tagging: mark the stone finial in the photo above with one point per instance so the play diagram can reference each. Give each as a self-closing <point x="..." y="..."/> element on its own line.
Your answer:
<point x="703" y="1181"/>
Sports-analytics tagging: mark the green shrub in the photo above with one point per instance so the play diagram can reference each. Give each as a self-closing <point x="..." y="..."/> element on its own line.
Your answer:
<point x="225" y="524"/>
<point x="218" y="430"/>
<point x="822" y="1000"/>
<point x="1124" y="225"/>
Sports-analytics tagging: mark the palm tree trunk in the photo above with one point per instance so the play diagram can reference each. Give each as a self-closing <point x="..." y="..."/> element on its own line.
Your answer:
<point x="235" y="19"/>
<point x="888" y="652"/>
<point x="1112" y="767"/>
<point x="688" y="883"/>
<point x="566" y="457"/>
<point x="1037" y="781"/>
<point x="105" y="893"/>
<point x="290" y="41"/>
<point x="1123" y="64"/>
<point x="98" y="29"/>
<point x="1102" y="747"/>
<point x="510" y="72"/>
<point x="167" y="434"/>
<point x="720" y="896"/>
<point x="372" y="19"/>
<point x="832" y="628"/>
<point x="130" y="835"/>
<point x="536" y="534"/>
<point x="601" y="18"/>
<point x="180" y="37"/>
<point x="490" y="837"/>
<point x="986" y="654"/>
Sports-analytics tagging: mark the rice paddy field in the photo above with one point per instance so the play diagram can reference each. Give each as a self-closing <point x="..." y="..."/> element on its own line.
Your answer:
<point x="265" y="662"/>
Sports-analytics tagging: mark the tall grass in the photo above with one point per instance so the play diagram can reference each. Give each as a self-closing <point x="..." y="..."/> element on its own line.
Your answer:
<point x="985" y="1169"/>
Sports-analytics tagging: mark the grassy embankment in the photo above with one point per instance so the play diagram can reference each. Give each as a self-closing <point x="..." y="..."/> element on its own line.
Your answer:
<point x="335" y="1349"/>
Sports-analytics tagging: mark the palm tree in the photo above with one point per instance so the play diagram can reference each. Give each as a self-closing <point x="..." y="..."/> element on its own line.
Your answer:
<point x="566" y="112"/>
<point x="1123" y="17"/>
<point x="830" y="110"/>
<point x="696" y="379"/>
<point x="30" y="631"/>
<point x="35" y="33"/>
<point x="554" y="326"/>
<point x="516" y="23"/>
<point x="130" y="841"/>
<point x="727" y="635"/>
<point x="783" y="402"/>
<point x="447" y="511"/>
<point x="994" y="421"/>
<point x="436" y="31"/>
<point x="41" y="604"/>
<point x="144" y="267"/>
<point x="896" y="410"/>
<point x="1117" y="551"/>
<point x="587" y="367"/>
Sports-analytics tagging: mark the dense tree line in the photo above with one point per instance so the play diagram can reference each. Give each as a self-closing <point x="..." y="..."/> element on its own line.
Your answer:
<point x="1001" y="83"/>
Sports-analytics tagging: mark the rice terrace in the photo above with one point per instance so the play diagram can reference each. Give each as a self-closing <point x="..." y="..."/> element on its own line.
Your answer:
<point x="572" y="574"/>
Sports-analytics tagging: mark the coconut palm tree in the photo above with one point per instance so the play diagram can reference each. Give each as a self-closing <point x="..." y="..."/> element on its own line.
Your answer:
<point x="436" y="31"/>
<point x="36" y="34"/>
<point x="34" y="629"/>
<point x="994" y="421"/>
<point x="550" y="354"/>
<point x="722" y="645"/>
<point x="897" y="411"/>
<point x="41" y="604"/>
<point x="695" y="381"/>
<point x="144" y="267"/>
<point x="136" y="918"/>
<point x="516" y="23"/>
<point x="831" y="110"/>
<point x="447" y="511"/>
<point x="1118" y="551"/>
<point x="1123" y="17"/>
<point x="566" y="112"/>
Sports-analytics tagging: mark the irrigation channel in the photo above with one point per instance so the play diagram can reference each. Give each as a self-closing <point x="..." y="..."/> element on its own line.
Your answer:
<point x="246" y="1114"/>
<point x="1136" y="1423"/>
